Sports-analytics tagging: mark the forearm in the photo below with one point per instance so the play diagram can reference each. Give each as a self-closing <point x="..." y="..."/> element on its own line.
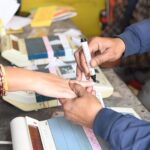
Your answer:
<point x="42" y="83"/>
<point x="122" y="131"/>
<point x="20" y="79"/>
<point x="136" y="38"/>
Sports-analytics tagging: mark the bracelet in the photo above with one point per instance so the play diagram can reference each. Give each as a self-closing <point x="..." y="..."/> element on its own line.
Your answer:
<point x="3" y="82"/>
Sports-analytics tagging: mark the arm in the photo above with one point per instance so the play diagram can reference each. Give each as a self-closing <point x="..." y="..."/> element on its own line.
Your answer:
<point x="136" y="38"/>
<point x="47" y="84"/>
<point x="122" y="131"/>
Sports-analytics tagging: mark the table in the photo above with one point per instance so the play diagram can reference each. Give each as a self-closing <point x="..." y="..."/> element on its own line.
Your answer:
<point x="122" y="97"/>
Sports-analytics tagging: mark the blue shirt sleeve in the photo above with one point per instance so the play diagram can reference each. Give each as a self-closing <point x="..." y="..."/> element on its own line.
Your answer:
<point x="136" y="38"/>
<point x="122" y="132"/>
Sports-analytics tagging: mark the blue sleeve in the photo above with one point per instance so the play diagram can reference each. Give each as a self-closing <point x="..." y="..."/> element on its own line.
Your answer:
<point x="122" y="132"/>
<point x="136" y="38"/>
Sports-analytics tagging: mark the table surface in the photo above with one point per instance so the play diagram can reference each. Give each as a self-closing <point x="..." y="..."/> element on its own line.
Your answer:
<point x="122" y="97"/>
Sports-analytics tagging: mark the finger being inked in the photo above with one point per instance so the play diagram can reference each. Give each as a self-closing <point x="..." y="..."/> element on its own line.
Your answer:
<point x="77" y="89"/>
<point x="86" y="84"/>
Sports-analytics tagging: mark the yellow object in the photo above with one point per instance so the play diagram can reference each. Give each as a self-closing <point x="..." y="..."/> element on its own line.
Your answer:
<point x="88" y="11"/>
<point x="4" y="80"/>
<point x="1" y="25"/>
<point x="11" y="31"/>
<point x="43" y="16"/>
<point x="2" y="29"/>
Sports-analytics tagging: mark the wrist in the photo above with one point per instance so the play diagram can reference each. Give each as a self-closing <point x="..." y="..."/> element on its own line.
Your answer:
<point x="121" y="45"/>
<point x="44" y="80"/>
<point x="104" y="122"/>
<point x="96" y="110"/>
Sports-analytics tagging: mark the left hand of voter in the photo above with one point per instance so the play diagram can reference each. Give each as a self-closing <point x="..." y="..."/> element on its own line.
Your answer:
<point x="42" y="83"/>
<point x="82" y="109"/>
<point x="54" y="86"/>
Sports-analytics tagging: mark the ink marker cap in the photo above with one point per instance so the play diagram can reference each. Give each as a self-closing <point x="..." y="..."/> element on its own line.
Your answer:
<point x="83" y="40"/>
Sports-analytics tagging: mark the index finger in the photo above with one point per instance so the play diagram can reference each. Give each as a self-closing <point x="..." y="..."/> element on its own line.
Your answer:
<point x="63" y="100"/>
<point x="94" y="45"/>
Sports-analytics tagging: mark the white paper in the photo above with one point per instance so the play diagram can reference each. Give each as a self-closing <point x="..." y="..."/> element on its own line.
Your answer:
<point x="18" y="22"/>
<point x="22" y="97"/>
<point x="64" y="16"/>
<point x="54" y="63"/>
<point x="69" y="56"/>
<point x="7" y="10"/>
<point x="75" y="36"/>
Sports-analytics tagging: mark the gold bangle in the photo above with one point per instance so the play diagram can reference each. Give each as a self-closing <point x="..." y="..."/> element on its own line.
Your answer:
<point x="4" y="79"/>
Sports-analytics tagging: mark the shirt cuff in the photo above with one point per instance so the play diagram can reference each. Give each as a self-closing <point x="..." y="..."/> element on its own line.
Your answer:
<point x="132" y="43"/>
<point x="104" y="121"/>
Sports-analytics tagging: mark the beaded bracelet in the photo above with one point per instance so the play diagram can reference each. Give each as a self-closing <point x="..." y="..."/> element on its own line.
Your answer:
<point x="3" y="81"/>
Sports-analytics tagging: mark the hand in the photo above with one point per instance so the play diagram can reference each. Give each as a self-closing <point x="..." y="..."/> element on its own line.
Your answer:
<point x="54" y="86"/>
<point x="82" y="109"/>
<point x="42" y="83"/>
<point x="103" y="50"/>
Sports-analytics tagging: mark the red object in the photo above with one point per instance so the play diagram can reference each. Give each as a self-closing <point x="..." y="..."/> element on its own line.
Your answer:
<point x="135" y="83"/>
<point x="112" y="4"/>
<point x="103" y="20"/>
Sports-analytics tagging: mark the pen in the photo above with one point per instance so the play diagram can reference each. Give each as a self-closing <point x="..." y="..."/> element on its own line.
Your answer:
<point x="87" y="55"/>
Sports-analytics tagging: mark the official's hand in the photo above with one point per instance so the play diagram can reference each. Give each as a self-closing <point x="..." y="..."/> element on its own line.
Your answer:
<point x="103" y="50"/>
<point x="82" y="109"/>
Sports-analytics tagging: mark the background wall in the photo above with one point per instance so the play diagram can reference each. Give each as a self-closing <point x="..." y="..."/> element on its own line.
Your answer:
<point x="88" y="11"/>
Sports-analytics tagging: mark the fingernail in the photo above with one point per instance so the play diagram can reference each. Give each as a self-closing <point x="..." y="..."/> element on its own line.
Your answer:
<point x="92" y="83"/>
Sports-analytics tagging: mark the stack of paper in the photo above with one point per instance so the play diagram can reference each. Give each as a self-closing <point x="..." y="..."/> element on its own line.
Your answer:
<point x="7" y="10"/>
<point x="18" y="22"/>
<point x="64" y="13"/>
<point x="44" y="16"/>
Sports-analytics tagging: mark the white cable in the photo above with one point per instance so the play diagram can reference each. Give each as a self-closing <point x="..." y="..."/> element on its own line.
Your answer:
<point x="5" y="142"/>
<point x="98" y="95"/>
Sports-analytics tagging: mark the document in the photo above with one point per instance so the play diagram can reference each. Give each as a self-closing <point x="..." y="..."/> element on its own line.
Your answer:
<point x="7" y="10"/>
